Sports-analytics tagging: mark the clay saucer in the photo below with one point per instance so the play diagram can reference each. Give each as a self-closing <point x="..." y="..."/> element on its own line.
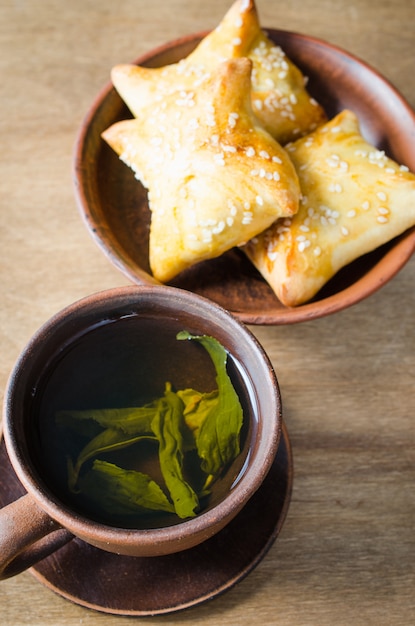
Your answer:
<point x="114" y="204"/>
<point x="143" y="586"/>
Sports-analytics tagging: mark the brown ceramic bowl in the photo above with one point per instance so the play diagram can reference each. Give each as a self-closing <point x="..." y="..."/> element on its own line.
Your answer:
<point x="114" y="205"/>
<point x="115" y="349"/>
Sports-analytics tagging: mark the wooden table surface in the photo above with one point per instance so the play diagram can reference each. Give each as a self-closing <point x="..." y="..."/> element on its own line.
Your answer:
<point x="346" y="554"/>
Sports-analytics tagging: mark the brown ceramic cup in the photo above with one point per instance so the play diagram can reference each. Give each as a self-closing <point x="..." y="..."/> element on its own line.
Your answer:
<point x="42" y="520"/>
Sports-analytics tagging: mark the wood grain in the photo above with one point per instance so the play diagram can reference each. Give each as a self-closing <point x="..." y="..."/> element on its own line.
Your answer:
<point x="346" y="554"/>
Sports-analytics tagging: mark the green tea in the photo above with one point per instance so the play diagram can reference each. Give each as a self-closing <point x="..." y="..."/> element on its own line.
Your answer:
<point x="115" y="365"/>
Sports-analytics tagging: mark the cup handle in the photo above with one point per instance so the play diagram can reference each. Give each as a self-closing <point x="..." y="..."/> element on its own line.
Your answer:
<point x="27" y="535"/>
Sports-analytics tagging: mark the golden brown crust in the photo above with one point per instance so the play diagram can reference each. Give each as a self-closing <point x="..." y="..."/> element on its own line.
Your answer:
<point x="354" y="200"/>
<point x="279" y="96"/>
<point x="215" y="177"/>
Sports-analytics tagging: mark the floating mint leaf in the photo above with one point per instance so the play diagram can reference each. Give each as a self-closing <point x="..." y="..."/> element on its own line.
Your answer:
<point x="217" y="439"/>
<point x="121" y="492"/>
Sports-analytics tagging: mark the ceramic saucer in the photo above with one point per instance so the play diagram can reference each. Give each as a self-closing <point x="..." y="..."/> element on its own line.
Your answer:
<point x="155" y="585"/>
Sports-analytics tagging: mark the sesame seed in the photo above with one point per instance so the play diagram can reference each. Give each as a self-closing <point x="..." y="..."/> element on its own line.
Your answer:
<point x="207" y="222"/>
<point x="276" y="159"/>
<point x="365" y="205"/>
<point x="193" y="124"/>
<point x="232" y="119"/>
<point x="259" y="200"/>
<point x="345" y="231"/>
<point x="303" y="245"/>
<point x="382" y="196"/>
<point x="351" y="213"/>
<point x="236" y="41"/>
<point x="219" y="228"/>
<point x="383" y="210"/>
<point x="317" y="251"/>
<point x="382" y="219"/>
<point x="331" y="162"/>
<point x="250" y="152"/>
<point x="186" y="99"/>
<point x="264" y="154"/>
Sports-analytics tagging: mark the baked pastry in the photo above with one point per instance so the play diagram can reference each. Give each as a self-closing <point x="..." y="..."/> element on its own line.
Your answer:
<point x="215" y="177"/>
<point x="355" y="199"/>
<point x="279" y="95"/>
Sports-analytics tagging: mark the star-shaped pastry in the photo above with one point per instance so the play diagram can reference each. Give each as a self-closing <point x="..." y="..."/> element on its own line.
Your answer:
<point x="279" y="96"/>
<point x="215" y="177"/>
<point x="354" y="200"/>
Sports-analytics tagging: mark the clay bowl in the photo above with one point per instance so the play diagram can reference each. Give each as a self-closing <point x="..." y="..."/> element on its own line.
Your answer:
<point x="114" y="205"/>
<point x="127" y="338"/>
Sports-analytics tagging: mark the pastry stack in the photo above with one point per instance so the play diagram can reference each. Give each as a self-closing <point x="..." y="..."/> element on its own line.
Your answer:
<point x="234" y="151"/>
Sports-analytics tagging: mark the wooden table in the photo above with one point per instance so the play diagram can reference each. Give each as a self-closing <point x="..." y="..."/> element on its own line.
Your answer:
<point x="346" y="554"/>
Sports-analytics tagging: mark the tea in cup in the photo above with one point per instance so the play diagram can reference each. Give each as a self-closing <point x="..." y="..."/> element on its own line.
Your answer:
<point x="140" y="420"/>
